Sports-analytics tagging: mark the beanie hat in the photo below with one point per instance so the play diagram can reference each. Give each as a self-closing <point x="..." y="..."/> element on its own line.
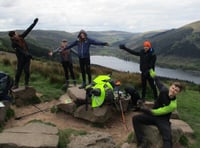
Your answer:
<point x="147" y="44"/>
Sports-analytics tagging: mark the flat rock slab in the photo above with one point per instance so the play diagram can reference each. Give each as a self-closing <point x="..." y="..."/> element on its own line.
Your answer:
<point x="32" y="135"/>
<point x="76" y="94"/>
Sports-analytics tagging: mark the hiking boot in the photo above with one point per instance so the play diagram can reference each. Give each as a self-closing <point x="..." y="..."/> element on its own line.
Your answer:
<point x="82" y="86"/>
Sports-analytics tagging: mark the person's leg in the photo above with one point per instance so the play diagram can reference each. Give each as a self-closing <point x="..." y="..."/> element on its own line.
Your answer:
<point x="19" y="69"/>
<point x="165" y="130"/>
<point x="153" y="87"/>
<point x="27" y="70"/>
<point x="64" y="65"/>
<point x="138" y="122"/>
<point x="82" y="67"/>
<point x="88" y="71"/>
<point x="70" y="66"/>
<point x="143" y="80"/>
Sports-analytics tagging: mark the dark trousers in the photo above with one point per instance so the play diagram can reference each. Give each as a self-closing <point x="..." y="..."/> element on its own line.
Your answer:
<point x="23" y="63"/>
<point x="144" y="78"/>
<point x="85" y="68"/>
<point x="68" y="66"/>
<point x="164" y="126"/>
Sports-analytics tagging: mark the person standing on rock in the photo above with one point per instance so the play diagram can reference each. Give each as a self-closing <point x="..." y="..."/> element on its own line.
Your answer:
<point x="159" y="115"/>
<point x="147" y="62"/>
<point x="66" y="61"/>
<point x="22" y="52"/>
<point x="83" y="45"/>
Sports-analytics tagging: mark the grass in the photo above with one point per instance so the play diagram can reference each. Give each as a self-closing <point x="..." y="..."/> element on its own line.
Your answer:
<point x="189" y="110"/>
<point x="47" y="79"/>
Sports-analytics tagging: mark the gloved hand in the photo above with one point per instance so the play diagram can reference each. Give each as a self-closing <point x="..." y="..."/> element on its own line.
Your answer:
<point x="145" y="110"/>
<point x="152" y="73"/>
<point x="106" y="44"/>
<point x="122" y="46"/>
<point x="36" y="20"/>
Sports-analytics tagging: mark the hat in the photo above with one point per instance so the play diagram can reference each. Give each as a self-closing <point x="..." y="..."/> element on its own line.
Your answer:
<point x="147" y="44"/>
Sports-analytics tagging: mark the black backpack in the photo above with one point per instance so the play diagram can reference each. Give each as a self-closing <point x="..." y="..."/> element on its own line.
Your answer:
<point x="6" y="83"/>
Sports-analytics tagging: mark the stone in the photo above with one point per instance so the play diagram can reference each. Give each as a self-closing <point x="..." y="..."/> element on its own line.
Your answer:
<point x="32" y="135"/>
<point x="3" y="110"/>
<point x="187" y="130"/>
<point x="92" y="140"/>
<point x="23" y="96"/>
<point x="154" y="138"/>
<point x="95" y="115"/>
<point x="76" y="94"/>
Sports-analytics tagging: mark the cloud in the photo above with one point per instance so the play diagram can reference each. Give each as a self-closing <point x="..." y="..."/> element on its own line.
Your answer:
<point x="129" y="15"/>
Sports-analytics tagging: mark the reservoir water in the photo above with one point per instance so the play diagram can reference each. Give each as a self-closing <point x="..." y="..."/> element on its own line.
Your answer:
<point x="129" y="66"/>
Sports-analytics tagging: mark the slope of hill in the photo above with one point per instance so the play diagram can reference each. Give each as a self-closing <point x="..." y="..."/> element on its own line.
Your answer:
<point x="178" y="48"/>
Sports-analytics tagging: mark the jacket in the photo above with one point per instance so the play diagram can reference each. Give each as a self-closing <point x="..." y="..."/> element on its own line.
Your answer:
<point x="147" y="59"/>
<point x="20" y="44"/>
<point x="164" y="105"/>
<point x="83" y="46"/>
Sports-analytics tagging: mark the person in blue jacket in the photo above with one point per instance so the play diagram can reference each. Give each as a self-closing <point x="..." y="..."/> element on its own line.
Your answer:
<point x="83" y="46"/>
<point x="159" y="115"/>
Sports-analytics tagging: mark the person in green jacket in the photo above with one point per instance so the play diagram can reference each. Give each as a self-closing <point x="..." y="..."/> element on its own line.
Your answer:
<point x="159" y="115"/>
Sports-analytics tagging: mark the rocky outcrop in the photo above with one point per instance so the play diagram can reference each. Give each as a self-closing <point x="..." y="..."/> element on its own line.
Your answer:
<point x="32" y="135"/>
<point x="92" y="140"/>
<point x="24" y="96"/>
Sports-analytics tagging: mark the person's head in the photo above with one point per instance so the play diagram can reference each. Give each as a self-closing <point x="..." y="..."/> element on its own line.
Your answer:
<point x="12" y="34"/>
<point x="64" y="43"/>
<point x="175" y="88"/>
<point x="82" y="34"/>
<point x="147" y="45"/>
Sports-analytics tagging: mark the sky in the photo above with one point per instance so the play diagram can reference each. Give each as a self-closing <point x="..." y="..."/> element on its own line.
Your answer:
<point x="98" y="15"/>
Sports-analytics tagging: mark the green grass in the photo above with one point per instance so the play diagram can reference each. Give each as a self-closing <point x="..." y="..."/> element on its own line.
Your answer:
<point x="189" y="110"/>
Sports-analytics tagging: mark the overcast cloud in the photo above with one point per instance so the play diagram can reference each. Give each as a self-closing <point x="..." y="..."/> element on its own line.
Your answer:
<point x="98" y="15"/>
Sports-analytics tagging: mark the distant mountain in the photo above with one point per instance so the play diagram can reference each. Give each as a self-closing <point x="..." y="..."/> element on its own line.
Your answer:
<point x="178" y="48"/>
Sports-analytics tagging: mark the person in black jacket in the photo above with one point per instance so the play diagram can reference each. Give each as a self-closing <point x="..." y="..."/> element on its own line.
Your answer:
<point x="159" y="115"/>
<point x="147" y="62"/>
<point x="22" y="54"/>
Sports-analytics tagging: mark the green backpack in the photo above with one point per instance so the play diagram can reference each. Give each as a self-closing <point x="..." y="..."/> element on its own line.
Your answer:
<point x="101" y="90"/>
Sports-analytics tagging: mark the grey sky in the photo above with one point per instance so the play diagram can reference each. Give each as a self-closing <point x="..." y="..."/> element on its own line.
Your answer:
<point x="98" y="15"/>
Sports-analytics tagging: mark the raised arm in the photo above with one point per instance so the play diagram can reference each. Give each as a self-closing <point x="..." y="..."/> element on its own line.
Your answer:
<point x="26" y="32"/>
<point x="122" y="46"/>
<point x="94" y="42"/>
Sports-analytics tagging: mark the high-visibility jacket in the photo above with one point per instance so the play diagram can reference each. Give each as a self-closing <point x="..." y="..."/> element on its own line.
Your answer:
<point x="103" y="83"/>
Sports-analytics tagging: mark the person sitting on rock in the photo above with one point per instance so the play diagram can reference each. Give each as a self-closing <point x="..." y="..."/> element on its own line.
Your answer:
<point x="159" y="115"/>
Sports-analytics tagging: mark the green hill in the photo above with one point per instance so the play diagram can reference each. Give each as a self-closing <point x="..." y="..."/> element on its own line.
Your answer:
<point x="176" y="48"/>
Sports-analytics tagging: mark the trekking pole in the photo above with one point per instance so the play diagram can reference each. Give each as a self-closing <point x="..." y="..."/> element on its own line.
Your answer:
<point x="121" y="108"/>
<point x="20" y="117"/>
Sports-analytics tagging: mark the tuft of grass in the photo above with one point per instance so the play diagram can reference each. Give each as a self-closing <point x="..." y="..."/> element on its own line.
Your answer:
<point x="40" y="121"/>
<point x="65" y="134"/>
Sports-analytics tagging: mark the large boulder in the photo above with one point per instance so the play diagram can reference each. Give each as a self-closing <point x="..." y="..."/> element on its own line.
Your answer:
<point x="23" y="96"/>
<point x="32" y="135"/>
<point x="95" y="115"/>
<point x="154" y="138"/>
<point x="92" y="140"/>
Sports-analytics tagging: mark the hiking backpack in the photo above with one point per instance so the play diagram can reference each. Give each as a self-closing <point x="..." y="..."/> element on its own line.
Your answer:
<point x="6" y="83"/>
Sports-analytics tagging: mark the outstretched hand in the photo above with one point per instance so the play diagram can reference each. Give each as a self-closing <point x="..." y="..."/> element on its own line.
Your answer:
<point x="36" y="20"/>
<point x="122" y="46"/>
<point x="106" y="44"/>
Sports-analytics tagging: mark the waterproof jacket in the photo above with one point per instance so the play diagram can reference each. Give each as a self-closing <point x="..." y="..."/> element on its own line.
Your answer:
<point x="83" y="47"/>
<point x="164" y="105"/>
<point x="65" y="56"/>
<point x="147" y="59"/>
<point x="20" y="45"/>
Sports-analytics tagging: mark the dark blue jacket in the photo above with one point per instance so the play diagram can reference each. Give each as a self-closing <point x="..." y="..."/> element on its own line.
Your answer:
<point x="83" y="47"/>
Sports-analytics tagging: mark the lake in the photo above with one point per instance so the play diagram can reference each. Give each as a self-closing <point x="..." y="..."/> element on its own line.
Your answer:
<point x="129" y="66"/>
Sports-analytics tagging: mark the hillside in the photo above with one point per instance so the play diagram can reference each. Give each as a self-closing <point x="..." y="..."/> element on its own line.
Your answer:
<point x="176" y="48"/>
